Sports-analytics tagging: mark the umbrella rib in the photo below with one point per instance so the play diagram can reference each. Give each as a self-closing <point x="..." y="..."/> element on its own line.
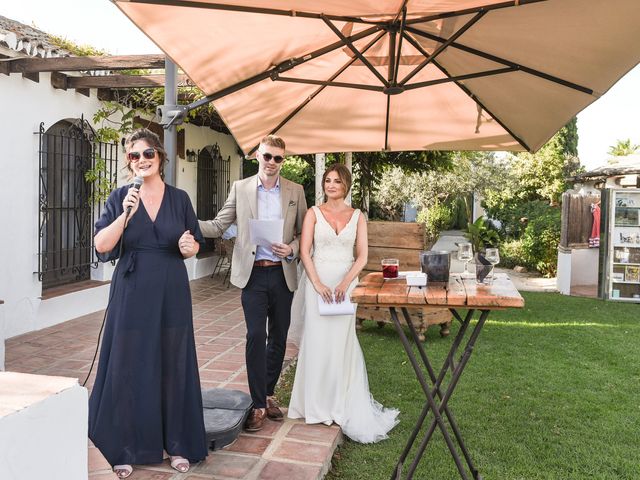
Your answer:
<point x="247" y="9"/>
<point x="444" y="45"/>
<point x="504" y="61"/>
<point x="473" y="97"/>
<point x="468" y="76"/>
<point x="402" y="9"/>
<point x="396" y="66"/>
<point x="295" y="111"/>
<point x="458" y="13"/>
<point x="477" y="100"/>
<point x="275" y="71"/>
<point x="356" y="52"/>
<point x="392" y="57"/>
<point x="327" y="83"/>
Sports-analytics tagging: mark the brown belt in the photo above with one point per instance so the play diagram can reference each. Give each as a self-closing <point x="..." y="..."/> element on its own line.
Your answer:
<point x="266" y="263"/>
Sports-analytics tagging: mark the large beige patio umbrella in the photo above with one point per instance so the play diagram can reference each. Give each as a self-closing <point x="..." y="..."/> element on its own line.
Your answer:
<point x="366" y="75"/>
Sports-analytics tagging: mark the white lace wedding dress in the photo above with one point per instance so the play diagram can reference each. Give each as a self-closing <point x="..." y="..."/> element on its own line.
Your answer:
<point x="331" y="383"/>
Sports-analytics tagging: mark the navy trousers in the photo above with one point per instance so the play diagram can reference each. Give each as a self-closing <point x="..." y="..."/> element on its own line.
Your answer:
<point x="266" y="301"/>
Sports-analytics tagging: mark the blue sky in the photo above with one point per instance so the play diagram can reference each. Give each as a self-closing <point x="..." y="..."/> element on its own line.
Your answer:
<point x="99" y="23"/>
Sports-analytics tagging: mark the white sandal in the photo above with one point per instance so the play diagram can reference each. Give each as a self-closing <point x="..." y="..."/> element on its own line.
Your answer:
<point x="180" y="464"/>
<point x="122" y="471"/>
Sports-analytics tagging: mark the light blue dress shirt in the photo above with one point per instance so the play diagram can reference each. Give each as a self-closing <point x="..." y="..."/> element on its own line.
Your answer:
<point x="269" y="208"/>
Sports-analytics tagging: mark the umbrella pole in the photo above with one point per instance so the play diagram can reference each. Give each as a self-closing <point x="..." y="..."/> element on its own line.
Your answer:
<point x="348" y="162"/>
<point x="320" y="161"/>
<point x="171" y="133"/>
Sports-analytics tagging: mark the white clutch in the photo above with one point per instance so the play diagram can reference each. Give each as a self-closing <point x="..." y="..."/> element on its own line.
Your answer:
<point x="343" y="308"/>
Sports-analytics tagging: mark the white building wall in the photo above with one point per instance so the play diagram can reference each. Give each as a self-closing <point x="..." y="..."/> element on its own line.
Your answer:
<point x="43" y="428"/>
<point x="25" y="105"/>
<point x="197" y="138"/>
<point x="584" y="266"/>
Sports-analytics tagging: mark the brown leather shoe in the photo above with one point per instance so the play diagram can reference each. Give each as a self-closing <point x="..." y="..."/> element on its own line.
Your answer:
<point x="273" y="411"/>
<point x="255" y="421"/>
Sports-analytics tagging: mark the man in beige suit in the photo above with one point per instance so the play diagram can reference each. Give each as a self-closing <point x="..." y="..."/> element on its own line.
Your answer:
<point x="267" y="276"/>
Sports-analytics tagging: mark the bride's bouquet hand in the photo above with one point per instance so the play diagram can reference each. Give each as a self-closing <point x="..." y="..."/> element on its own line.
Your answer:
<point x="324" y="291"/>
<point x="340" y="292"/>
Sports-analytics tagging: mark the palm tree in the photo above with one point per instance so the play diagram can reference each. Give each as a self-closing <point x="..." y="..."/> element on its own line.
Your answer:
<point x="623" y="148"/>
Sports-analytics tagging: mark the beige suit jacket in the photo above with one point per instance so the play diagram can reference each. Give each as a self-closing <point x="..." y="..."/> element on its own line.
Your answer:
<point x="241" y="205"/>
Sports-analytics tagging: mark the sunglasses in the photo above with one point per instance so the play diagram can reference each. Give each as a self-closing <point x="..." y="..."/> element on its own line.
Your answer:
<point x="276" y="158"/>
<point x="149" y="153"/>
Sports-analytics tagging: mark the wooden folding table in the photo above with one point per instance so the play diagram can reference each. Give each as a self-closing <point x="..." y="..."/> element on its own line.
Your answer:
<point x="458" y="294"/>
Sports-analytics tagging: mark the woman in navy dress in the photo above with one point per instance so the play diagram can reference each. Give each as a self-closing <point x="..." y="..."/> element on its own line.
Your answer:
<point x="146" y="397"/>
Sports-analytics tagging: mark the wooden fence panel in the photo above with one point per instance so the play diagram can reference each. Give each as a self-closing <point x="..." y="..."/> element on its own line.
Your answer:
<point x="577" y="219"/>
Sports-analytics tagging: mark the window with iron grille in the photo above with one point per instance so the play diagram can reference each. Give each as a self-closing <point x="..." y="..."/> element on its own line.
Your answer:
<point x="213" y="181"/>
<point x="68" y="205"/>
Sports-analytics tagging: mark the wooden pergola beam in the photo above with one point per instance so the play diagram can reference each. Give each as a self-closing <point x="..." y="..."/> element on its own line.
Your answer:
<point x="72" y="64"/>
<point x="64" y="82"/>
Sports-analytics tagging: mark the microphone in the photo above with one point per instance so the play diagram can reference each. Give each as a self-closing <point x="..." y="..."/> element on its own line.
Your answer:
<point x="137" y="183"/>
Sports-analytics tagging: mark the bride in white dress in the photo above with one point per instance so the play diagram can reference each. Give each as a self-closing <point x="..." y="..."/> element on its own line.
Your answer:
<point x="331" y="382"/>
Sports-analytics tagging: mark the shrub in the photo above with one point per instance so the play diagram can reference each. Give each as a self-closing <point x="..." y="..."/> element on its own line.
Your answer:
<point x="540" y="241"/>
<point x="512" y="255"/>
<point x="482" y="235"/>
<point x="435" y="219"/>
<point x="511" y="213"/>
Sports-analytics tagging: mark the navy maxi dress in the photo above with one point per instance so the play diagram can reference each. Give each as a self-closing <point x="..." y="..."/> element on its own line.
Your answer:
<point x="147" y="396"/>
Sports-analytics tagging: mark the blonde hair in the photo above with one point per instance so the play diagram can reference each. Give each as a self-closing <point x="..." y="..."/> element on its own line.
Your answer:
<point x="273" y="141"/>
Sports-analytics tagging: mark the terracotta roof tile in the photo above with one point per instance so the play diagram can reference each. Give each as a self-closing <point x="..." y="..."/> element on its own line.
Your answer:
<point x="27" y="40"/>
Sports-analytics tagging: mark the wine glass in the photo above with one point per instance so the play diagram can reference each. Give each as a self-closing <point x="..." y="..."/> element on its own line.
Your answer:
<point x="465" y="254"/>
<point x="493" y="256"/>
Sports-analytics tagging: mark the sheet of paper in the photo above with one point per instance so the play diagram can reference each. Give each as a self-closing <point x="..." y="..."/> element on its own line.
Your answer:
<point x="265" y="232"/>
<point x="343" y="308"/>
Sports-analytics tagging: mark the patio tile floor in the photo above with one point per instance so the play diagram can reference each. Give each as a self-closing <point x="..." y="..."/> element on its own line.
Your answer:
<point x="288" y="449"/>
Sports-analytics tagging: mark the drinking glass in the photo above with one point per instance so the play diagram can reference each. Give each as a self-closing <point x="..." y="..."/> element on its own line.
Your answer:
<point x="493" y="255"/>
<point x="465" y="254"/>
<point x="484" y="273"/>
<point x="436" y="264"/>
<point x="390" y="267"/>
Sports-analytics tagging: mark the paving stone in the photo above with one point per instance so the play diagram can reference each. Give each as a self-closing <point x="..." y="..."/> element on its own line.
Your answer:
<point x="280" y="471"/>
<point x="103" y="476"/>
<point x="227" y="465"/>
<point x="221" y="364"/>
<point x="303" y="452"/>
<point x="214" y="375"/>
<point x="269" y="429"/>
<point x="249" y="445"/>
<point x="97" y="460"/>
<point x="314" y="433"/>
<point x="144" y="474"/>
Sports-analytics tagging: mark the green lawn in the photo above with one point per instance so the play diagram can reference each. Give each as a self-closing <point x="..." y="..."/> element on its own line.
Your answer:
<point x="552" y="391"/>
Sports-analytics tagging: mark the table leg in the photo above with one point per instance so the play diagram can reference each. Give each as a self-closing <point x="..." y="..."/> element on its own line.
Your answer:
<point x="447" y="395"/>
<point x="433" y="406"/>
<point x="437" y="382"/>
<point x="430" y="393"/>
<point x="436" y="391"/>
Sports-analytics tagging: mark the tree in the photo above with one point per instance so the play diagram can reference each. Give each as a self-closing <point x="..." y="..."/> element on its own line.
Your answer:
<point x="542" y="175"/>
<point x="623" y="148"/>
<point x="369" y="169"/>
